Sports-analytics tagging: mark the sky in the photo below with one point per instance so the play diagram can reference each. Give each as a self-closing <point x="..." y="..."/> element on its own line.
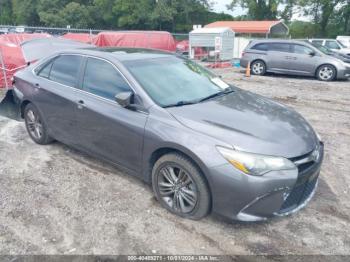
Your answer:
<point x="220" y="6"/>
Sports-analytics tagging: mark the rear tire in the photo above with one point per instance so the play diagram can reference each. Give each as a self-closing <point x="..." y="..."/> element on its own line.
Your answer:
<point x="36" y="126"/>
<point x="180" y="187"/>
<point x="326" y="73"/>
<point x="258" y="67"/>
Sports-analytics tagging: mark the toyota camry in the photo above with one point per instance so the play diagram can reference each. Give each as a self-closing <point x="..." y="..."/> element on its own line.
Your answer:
<point x="202" y="144"/>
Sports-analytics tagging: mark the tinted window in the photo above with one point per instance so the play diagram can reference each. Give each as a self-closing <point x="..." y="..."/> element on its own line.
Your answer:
<point x="300" y="49"/>
<point x="332" y="45"/>
<point x="317" y="42"/>
<point x="65" y="69"/>
<point x="262" y="47"/>
<point x="279" y="47"/>
<point x="45" y="71"/>
<point x="102" y="79"/>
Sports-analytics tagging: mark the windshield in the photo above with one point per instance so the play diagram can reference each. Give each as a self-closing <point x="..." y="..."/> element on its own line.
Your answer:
<point x="341" y="44"/>
<point x="174" y="81"/>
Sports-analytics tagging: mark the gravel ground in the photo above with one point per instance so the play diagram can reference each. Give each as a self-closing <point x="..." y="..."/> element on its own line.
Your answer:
<point x="55" y="200"/>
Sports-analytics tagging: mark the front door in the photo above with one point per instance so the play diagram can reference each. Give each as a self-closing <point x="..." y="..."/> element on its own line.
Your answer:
<point x="304" y="60"/>
<point x="105" y="128"/>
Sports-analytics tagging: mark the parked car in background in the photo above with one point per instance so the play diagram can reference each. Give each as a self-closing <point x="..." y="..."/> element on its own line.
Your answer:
<point x="345" y="40"/>
<point x="332" y="44"/>
<point x="4" y="31"/>
<point x="327" y="51"/>
<point x="294" y="58"/>
<point x="203" y="145"/>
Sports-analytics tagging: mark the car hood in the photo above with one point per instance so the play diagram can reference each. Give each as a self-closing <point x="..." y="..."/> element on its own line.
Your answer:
<point x="250" y="123"/>
<point x="343" y="57"/>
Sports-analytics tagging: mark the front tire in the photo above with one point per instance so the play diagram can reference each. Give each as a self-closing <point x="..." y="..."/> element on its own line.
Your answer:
<point x="326" y="73"/>
<point x="258" y="67"/>
<point x="36" y="126"/>
<point x="180" y="187"/>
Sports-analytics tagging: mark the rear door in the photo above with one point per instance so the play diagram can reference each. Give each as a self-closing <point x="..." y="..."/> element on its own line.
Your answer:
<point x="105" y="128"/>
<point x="279" y="56"/>
<point x="55" y="95"/>
<point x="305" y="60"/>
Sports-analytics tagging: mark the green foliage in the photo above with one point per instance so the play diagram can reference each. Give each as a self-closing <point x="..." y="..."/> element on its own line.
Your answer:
<point x="301" y="29"/>
<point x="328" y="17"/>
<point x="171" y="15"/>
<point x="5" y="12"/>
<point x="258" y="9"/>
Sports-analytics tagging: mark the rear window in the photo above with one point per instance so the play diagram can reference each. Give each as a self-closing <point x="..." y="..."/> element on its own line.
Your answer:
<point x="65" y="69"/>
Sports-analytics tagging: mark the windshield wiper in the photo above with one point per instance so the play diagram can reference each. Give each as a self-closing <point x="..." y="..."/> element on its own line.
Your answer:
<point x="180" y="103"/>
<point x="224" y="92"/>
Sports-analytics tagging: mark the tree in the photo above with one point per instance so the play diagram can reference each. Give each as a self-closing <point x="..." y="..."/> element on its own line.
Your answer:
<point x="133" y="14"/>
<point x="258" y="9"/>
<point x="321" y="11"/>
<point x="6" y="12"/>
<point x="302" y="29"/>
<point x="164" y="12"/>
<point x="25" y="12"/>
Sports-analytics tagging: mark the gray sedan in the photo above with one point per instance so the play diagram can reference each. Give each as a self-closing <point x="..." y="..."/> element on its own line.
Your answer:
<point x="294" y="58"/>
<point x="203" y="145"/>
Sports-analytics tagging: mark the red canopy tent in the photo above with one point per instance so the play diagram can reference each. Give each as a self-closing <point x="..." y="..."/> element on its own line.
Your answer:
<point x="81" y="37"/>
<point x="17" y="39"/>
<point x="11" y="60"/>
<point x="142" y="39"/>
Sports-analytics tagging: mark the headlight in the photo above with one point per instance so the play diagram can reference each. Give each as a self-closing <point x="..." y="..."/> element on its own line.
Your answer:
<point x="254" y="164"/>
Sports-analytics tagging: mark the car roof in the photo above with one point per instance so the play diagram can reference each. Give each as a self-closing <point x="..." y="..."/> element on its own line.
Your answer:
<point x="121" y="54"/>
<point x="288" y="41"/>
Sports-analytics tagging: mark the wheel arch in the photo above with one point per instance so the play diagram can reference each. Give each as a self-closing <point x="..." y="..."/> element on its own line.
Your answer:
<point x="23" y="105"/>
<point x="161" y="151"/>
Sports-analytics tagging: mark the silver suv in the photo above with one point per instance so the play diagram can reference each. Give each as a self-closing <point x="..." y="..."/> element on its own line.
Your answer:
<point x="294" y="58"/>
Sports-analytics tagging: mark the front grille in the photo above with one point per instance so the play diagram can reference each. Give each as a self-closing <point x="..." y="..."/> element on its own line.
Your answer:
<point x="298" y="195"/>
<point x="305" y="183"/>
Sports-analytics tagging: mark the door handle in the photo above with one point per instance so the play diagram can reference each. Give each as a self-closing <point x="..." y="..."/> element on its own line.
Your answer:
<point x="81" y="104"/>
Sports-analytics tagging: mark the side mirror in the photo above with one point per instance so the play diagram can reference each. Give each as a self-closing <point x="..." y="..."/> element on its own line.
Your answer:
<point x="312" y="53"/>
<point x="124" y="98"/>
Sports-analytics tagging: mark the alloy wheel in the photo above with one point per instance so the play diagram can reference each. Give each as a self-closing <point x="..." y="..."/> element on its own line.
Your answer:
<point x="258" y="68"/>
<point x="177" y="189"/>
<point x="34" y="124"/>
<point x="326" y="73"/>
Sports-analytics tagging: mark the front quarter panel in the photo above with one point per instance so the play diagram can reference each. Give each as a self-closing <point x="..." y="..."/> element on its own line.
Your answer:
<point x="163" y="131"/>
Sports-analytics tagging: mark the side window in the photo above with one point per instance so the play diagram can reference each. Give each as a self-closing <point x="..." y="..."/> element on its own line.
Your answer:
<point x="102" y="79"/>
<point x="45" y="71"/>
<point x="300" y="49"/>
<point x="65" y="70"/>
<point x="332" y="45"/>
<point x="261" y="47"/>
<point x="317" y="42"/>
<point x="279" y="47"/>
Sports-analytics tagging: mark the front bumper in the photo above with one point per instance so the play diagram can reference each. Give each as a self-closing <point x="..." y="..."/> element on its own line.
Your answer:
<point x="343" y="73"/>
<point x="238" y="196"/>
